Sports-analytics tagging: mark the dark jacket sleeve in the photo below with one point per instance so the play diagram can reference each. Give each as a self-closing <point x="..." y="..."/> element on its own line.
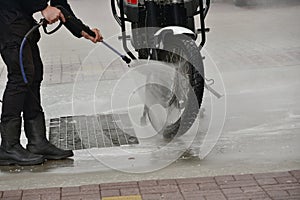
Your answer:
<point x="32" y="6"/>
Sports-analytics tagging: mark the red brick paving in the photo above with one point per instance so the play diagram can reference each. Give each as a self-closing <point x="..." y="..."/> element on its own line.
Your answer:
<point x="263" y="186"/>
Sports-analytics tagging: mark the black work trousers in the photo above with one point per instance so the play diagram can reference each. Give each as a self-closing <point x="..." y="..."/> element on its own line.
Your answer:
<point x="18" y="97"/>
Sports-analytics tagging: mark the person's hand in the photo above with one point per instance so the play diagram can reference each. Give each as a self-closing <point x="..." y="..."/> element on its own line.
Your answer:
<point x="97" y="38"/>
<point x="52" y="14"/>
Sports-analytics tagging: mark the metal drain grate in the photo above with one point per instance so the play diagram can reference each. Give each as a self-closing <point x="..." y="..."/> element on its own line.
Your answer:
<point x="96" y="131"/>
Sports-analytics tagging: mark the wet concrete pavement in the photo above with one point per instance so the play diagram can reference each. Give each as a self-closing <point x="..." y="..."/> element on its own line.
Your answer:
<point x="259" y="64"/>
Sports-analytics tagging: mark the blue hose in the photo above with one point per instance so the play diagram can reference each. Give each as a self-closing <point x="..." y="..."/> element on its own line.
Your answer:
<point x="21" y="60"/>
<point x="22" y="47"/>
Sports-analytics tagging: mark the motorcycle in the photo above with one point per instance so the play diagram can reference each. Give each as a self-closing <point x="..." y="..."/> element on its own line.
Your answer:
<point x="165" y="31"/>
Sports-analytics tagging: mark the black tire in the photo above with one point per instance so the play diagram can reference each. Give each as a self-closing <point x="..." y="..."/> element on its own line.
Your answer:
<point x="195" y="75"/>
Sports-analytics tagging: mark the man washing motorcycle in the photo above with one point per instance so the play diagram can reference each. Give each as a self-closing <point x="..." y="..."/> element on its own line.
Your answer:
<point x="21" y="100"/>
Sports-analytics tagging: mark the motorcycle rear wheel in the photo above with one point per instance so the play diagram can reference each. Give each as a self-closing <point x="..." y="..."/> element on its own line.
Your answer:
<point x="178" y="50"/>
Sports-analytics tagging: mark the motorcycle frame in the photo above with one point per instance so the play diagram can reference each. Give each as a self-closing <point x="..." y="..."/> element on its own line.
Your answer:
<point x="121" y="20"/>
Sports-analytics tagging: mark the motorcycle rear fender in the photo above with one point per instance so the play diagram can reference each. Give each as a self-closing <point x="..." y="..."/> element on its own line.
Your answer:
<point x="175" y="30"/>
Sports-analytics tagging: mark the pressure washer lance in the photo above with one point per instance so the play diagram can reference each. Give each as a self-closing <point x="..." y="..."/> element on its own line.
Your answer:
<point x="91" y="33"/>
<point x="74" y="24"/>
<point x="125" y="58"/>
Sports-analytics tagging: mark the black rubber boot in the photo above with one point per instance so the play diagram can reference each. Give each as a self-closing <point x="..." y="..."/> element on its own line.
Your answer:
<point x="11" y="151"/>
<point x="35" y="130"/>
